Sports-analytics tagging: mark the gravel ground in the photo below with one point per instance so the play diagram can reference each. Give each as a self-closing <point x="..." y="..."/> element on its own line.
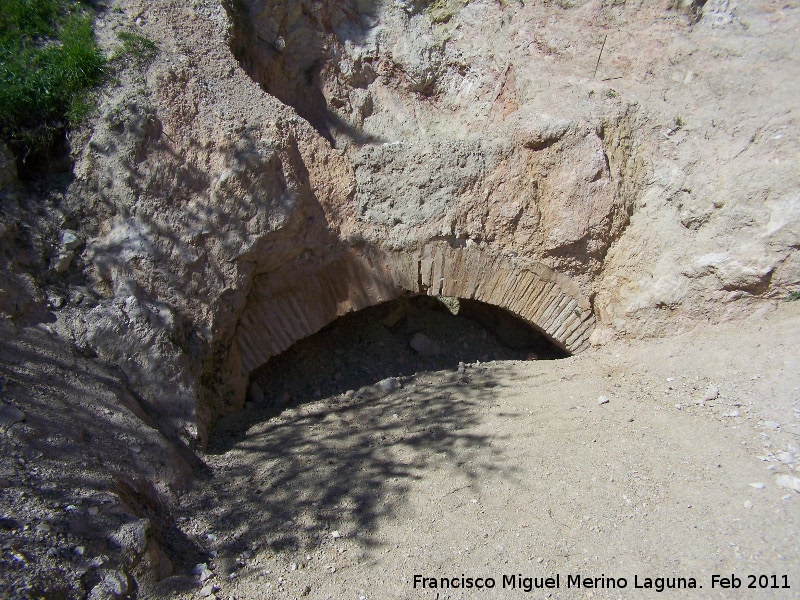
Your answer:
<point x="515" y="468"/>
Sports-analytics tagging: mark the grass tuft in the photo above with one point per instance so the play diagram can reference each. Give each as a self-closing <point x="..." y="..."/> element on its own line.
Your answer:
<point x="48" y="63"/>
<point x="135" y="46"/>
<point x="441" y="11"/>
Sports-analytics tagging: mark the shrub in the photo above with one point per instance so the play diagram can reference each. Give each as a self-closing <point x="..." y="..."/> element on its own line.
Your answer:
<point x="48" y="64"/>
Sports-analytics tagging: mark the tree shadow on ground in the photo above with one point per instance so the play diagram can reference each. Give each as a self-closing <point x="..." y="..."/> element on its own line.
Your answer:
<point x="344" y="463"/>
<point x="81" y="456"/>
<point x="350" y="419"/>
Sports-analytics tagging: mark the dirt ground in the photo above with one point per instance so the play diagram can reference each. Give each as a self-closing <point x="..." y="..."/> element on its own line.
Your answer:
<point x="516" y="468"/>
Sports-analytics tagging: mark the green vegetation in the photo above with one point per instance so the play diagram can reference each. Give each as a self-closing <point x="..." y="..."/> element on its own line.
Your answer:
<point x="48" y="64"/>
<point x="441" y="11"/>
<point x="793" y="296"/>
<point x="135" y="46"/>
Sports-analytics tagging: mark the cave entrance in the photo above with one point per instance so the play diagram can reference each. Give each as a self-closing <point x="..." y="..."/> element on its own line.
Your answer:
<point x="398" y="338"/>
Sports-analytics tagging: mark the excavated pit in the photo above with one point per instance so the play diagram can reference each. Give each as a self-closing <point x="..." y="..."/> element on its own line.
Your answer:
<point x="400" y="339"/>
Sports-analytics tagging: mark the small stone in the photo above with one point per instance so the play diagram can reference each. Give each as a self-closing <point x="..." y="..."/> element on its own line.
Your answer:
<point x="306" y="591"/>
<point x="70" y="241"/>
<point x="79" y="550"/>
<point x="771" y="424"/>
<point x="56" y="301"/>
<point x="748" y="504"/>
<point x="602" y="400"/>
<point x="712" y="392"/>
<point x="10" y="415"/>
<point x="350" y="394"/>
<point x="136" y="449"/>
<point x="540" y="560"/>
<point x="733" y="413"/>
<point x="202" y="572"/>
<point x="424" y="345"/>
<point x="93" y="510"/>
<point x="116" y="582"/>
<point x="785" y="457"/>
<point x="335" y="535"/>
<point x="757" y="486"/>
<point x="52" y="553"/>
<point x="76" y="296"/>
<point x="247" y="554"/>
<point x="389" y="384"/>
<point x="211" y="537"/>
<point x="207" y="590"/>
<point x="43" y="528"/>
<point x="293" y="567"/>
<point x="461" y="368"/>
<point x="788" y="482"/>
<point x="61" y="264"/>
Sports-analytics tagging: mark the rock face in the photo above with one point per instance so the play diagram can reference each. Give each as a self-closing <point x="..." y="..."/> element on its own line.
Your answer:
<point x="438" y="140"/>
<point x="271" y="141"/>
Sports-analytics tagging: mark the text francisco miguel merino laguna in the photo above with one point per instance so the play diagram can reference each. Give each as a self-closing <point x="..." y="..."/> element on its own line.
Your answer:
<point x="658" y="584"/>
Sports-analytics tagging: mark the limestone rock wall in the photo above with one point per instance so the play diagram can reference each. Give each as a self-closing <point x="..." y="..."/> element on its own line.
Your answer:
<point x="188" y="183"/>
<point x="269" y="139"/>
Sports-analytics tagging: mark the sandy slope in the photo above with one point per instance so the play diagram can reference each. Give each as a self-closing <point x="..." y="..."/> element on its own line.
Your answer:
<point x="515" y="468"/>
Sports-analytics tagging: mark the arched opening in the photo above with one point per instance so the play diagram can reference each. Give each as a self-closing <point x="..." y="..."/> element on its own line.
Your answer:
<point x="399" y="338"/>
<point x="291" y="305"/>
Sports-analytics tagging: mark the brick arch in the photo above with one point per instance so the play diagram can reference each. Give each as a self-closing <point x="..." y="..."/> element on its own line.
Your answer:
<point x="284" y="308"/>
